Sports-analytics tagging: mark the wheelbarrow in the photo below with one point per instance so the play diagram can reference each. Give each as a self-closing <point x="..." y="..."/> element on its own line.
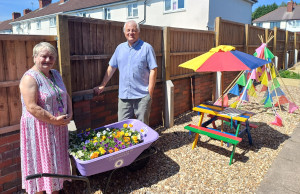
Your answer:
<point x="134" y="157"/>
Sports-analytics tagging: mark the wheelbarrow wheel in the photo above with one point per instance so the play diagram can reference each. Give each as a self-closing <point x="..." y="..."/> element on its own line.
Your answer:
<point x="142" y="160"/>
<point x="137" y="165"/>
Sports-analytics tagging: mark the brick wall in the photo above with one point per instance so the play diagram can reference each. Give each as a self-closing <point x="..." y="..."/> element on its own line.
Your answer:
<point x="10" y="164"/>
<point x="103" y="109"/>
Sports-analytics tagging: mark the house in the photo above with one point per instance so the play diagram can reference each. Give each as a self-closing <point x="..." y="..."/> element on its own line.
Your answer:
<point x="286" y="18"/>
<point x="192" y="14"/>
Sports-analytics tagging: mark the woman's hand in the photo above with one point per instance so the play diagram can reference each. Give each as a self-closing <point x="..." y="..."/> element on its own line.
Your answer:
<point x="62" y="120"/>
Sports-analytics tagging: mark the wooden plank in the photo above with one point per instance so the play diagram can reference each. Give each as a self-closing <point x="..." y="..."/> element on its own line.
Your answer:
<point x="85" y="38"/>
<point x="85" y="57"/>
<point x="20" y="55"/>
<point x="4" y="84"/>
<point x="10" y="60"/>
<point x="78" y="37"/>
<point x="2" y="63"/>
<point x="14" y="105"/>
<point x="39" y="38"/>
<point x="214" y="134"/>
<point x="29" y="52"/>
<point x="4" y="117"/>
<point x="71" y="37"/>
<point x="64" y="51"/>
<point x="8" y="129"/>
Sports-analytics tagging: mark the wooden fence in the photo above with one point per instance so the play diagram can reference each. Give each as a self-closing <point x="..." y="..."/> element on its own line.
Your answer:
<point x="85" y="46"/>
<point x="15" y="59"/>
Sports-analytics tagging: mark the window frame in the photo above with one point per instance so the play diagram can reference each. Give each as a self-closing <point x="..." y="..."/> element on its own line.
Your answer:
<point x="52" y="22"/>
<point x="275" y="24"/>
<point x="172" y="8"/>
<point x="38" y="24"/>
<point x="132" y="10"/>
<point x="107" y="12"/>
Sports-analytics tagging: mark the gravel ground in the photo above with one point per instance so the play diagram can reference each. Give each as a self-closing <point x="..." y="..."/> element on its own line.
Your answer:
<point x="176" y="168"/>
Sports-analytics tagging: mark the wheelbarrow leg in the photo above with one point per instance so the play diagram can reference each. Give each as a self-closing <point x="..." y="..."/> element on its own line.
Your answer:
<point x="108" y="180"/>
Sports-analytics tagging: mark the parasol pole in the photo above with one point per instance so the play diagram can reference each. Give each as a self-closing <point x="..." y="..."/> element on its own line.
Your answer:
<point x="222" y="83"/>
<point x="231" y="85"/>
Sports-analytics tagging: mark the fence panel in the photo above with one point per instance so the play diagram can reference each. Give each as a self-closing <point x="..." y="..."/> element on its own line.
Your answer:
<point x="185" y="45"/>
<point x="253" y="38"/>
<point x="290" y="48"/>
<point x="15" y="59"/>
<point x="231" y="33"/>
<point x="93" y="42"/>
<point x="280" y="47"/>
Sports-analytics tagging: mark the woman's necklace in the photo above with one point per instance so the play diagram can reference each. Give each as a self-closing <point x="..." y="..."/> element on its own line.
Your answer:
<point x="55" y="88"/>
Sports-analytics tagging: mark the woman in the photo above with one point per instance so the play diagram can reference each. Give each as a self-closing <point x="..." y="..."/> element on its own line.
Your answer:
<point x="46" y="112"/>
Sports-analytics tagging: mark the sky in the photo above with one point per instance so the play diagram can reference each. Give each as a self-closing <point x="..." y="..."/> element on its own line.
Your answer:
<point x="9" y="6"/>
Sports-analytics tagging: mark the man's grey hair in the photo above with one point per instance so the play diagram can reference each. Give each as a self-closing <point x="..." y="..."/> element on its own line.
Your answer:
<point x="132" y="22"/>
<point x="44" y="45"/>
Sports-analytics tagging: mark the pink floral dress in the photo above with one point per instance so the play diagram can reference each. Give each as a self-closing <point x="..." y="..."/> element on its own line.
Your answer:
<point x="44" y="147"/>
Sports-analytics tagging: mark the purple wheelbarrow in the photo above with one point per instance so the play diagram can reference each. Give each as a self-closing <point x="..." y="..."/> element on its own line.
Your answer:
<point x="134" y="157"/>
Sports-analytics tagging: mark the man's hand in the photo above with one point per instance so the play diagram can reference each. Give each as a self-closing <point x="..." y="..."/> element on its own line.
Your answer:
<point x="98" y="89"/>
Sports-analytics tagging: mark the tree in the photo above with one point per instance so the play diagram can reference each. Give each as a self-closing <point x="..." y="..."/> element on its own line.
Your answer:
<point x="263" y="10"/>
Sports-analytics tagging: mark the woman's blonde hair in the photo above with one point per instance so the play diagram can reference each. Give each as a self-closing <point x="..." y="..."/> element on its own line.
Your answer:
<point x="44" y="45"/>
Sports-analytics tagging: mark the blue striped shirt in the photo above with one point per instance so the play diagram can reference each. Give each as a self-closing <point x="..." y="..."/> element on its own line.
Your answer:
<point x="134" y="64"/>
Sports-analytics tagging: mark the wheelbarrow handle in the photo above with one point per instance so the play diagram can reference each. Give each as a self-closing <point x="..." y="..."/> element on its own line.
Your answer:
<point x="81" y="178"/>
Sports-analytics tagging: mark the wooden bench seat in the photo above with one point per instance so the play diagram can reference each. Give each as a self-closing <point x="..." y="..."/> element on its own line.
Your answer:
<point x="216" y="135"/>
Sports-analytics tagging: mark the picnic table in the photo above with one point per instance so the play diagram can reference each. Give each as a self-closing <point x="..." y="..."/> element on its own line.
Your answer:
<point x="235" y="117"/>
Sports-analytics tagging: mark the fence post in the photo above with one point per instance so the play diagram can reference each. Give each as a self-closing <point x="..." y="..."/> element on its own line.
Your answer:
<point x="167" y="43"/>
<point x="275" y="41"/>
<point x="286" y="55"/>
<point x="64" y="51"/>
<point x="217" y="30"/>
<point x="295" y="48"/>
<point x="266" y="34"/>
<point x="246" y="38"/>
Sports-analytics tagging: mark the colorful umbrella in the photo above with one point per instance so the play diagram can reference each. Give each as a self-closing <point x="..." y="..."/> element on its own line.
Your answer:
<point x="223" y="58"/>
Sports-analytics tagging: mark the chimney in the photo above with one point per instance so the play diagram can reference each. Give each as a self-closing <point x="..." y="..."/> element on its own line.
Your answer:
<point x="26" y="11"/>
<point x="44" y="3"/>
<point x="63" y="1"/>
<point x="15" y="15"/>
<point x="290" y="6"/>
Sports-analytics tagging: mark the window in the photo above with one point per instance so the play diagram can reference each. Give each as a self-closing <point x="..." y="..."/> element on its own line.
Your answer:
<point x="107" y="15"/>
<point x="28" y="25"/>
<point x="274" y="24"/>
<point x="38" y="24"/>
<point x="53" y="21"/>
<point x="133" y="10"/>
<point x="259" y="24"/>
<point x="173" y="5"/>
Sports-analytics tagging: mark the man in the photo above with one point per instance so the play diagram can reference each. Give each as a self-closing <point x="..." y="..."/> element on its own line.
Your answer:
<point x="137" y="66"/>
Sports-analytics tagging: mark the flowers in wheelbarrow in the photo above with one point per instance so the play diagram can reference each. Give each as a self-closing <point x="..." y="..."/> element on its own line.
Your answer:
<point x="92" y="144"/>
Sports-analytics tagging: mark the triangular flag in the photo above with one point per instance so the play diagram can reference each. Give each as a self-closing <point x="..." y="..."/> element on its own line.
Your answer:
<point x="279" y="92"/>
<point x="233" y="105"/>
<point x="252" y="92"/>
<point x="273" y="73"/>
<point x="268" y="54"/>
<point x="260" y="51"/>
<point x="269" y="76"/>
<point x="242" y="80"/>
<point x="276" y="83"/>
<point x="259" y="69"/>
<point x="265" y="80"/>
<point x="262" y="76"/>
<point x="292" y="107"/>
<point x="249" y="84"/>
<point x="264" y="88"/>
<point x="282" y="100"/>
<point x="266" y="94"/>
<point x="278" y="121"/>
<point x="225" y="101"/>
<point x="245" y="96"/>
<point x="268" y="103"/>
<point x="253" y="74"/>
<point x="235" y="90"/>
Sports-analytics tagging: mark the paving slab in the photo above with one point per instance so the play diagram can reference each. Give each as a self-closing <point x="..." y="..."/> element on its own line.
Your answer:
<point x="284" y="174"/>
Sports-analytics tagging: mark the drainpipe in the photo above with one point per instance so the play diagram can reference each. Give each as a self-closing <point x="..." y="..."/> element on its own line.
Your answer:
<point x="144" y="20"/>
